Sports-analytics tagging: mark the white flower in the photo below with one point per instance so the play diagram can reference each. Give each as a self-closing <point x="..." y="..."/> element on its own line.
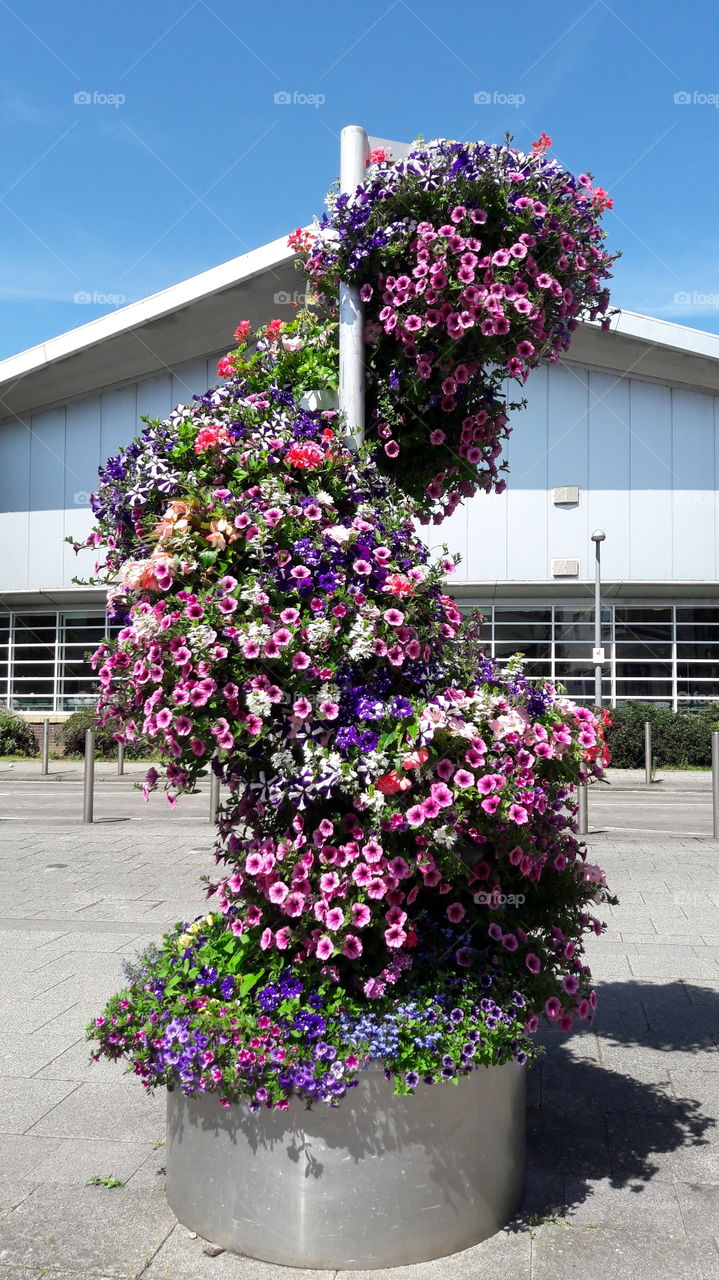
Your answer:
<point x="258" y="702"/>
<point x="199" y="638"/>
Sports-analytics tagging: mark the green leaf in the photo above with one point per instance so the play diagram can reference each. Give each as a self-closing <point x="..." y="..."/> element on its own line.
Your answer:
<point x="249" y="981"/>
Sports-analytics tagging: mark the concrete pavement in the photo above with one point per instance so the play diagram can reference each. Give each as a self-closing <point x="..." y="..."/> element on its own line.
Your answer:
<point x="623" y="1145"/>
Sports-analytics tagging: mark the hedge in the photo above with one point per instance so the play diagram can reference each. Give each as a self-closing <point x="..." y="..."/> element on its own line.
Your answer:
<point x="72" y="735"/>
<point x="679" y="738"/>
<point x="16" y="735"/>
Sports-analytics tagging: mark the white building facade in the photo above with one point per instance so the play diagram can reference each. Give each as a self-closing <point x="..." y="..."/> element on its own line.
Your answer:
<point x="623" y="436"/>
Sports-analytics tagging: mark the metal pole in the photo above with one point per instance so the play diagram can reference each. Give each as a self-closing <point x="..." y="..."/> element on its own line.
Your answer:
<point x="354" y="149"/>
<point x="89" y="778"/>
<point x="715" y="780"/>
<point x="648" y="753"/>
<point x="46" y="746"/>
<point x="214" y="793"/>
<point x="598" y="621"/>
<point x="583" y="816"/>
<point x="120" y="758"/>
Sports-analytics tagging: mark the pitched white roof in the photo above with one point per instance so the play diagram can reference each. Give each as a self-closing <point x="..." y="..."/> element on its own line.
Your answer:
<point x="197" y="317"/>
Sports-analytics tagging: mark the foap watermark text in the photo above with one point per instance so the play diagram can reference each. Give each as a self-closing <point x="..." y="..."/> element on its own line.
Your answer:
<point x="85" y="98"/>
<point x="295" y="98"/>
<point x="496" y="98"/>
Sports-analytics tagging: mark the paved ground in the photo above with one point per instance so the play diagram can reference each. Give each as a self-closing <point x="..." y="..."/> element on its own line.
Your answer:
<point x="623" y="1148"/>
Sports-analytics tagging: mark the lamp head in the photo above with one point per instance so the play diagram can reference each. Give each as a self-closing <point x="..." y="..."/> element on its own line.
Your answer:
<point x="599" y="535"/>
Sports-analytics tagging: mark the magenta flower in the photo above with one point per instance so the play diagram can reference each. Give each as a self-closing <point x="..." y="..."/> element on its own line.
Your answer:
<point x="442" y="794"/>
<point x="532" y="962"/>
<point x="463" y="779"/>
<point x="361" y="915"/>
<point x="518" y="814"/>
<point x="395" y="936"/>
<point x="324" y="948"/>
<point x="455" y="912"/>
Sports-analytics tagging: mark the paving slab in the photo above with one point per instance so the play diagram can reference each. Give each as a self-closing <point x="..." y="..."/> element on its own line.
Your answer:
<point x="622" y="1152"/>
<point x="94" y="1230"/>
<point x="102" y="1110"/>
<point x="566" y="1253"/>
<point x="646" y="1207"/>
<point x="76" y="1160"/>
<point x="25" y="1102"/>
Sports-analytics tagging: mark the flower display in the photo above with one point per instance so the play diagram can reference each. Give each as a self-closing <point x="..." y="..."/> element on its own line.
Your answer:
<point x="475" y="262"/>
<point x="398" y="876"/>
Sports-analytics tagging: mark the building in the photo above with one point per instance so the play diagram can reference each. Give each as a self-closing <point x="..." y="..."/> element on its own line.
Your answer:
<point x="621" y="435"/>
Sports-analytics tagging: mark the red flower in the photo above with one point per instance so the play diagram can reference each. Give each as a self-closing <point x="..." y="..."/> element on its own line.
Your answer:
<point x="601" y="200"/>
<point x="305" y="457"/>
<point x="380" y="155"/>
<point x="242" y="330"/>
<point x="300" y="239"/>
<point x="542" y="144"/>
<point x="225" y="368"/>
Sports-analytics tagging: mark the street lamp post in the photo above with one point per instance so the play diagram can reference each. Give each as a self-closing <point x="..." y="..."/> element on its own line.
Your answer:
<point x="598" y="538"/>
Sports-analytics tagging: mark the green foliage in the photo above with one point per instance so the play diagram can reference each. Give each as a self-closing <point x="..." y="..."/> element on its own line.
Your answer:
<point x="109" y="1182"/>
<point x="72" y="735"/>
<point x="680" y="739"/>
<point x="16" y="735"/>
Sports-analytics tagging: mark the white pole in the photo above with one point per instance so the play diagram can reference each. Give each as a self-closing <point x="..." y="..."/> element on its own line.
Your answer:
<point x="89" y="776"/>
<point x="583" y="815"/>
<point x="715" y="781"/>
<point x="214" y="790"/>
<point x="354" y="149"/>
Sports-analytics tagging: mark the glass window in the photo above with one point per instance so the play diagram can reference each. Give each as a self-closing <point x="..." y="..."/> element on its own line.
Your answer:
<point x="695" y="688"/>
<point x="639" y="688"/>
<point x="77" y="683"/>
<point x="698" y="614"/>
<point x="709" y="651"/>
<point x="530" y="648"/>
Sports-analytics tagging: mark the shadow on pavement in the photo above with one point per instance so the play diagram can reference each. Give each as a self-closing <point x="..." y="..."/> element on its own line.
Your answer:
<point x="619" y="1119"/>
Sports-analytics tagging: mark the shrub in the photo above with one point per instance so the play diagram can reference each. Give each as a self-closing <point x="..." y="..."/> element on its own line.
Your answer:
<point x="680" y="739"/>
<point x="72" y="735"/>
<point x="16" y="735"/>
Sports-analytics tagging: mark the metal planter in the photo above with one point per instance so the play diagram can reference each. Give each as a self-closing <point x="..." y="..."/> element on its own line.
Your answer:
<point x="379" y="1181"/>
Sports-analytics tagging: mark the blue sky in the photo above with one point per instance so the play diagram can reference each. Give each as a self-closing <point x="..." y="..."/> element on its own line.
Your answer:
<point x="183" y="159"/>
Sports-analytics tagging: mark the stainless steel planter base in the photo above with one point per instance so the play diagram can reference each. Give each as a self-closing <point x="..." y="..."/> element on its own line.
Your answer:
<point x="380" y="1181"/>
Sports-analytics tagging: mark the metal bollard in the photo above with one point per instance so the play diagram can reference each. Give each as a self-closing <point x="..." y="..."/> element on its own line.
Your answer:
<point x="214" y="794"/>
<point x="46" y="746"/>
<point x="89" y="778"/>
<point x="715" y="781"/>
<point x="120" y="758"/>
<point x="647" y="753"/>
<point x="583" y="816"/>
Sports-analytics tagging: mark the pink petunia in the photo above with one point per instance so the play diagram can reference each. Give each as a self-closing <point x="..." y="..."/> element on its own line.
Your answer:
<point x="395" y="936"/>
<point x="463" y="778"/>
<point x="361" y="915"/>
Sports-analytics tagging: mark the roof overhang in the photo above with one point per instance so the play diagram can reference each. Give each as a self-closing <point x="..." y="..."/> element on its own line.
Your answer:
<point x="643" y="347"/>
<point x="192" y="319"/>
<point x="660" y="592"/>
<point x="65" y="598"/>
<point x="197" y="317"/>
